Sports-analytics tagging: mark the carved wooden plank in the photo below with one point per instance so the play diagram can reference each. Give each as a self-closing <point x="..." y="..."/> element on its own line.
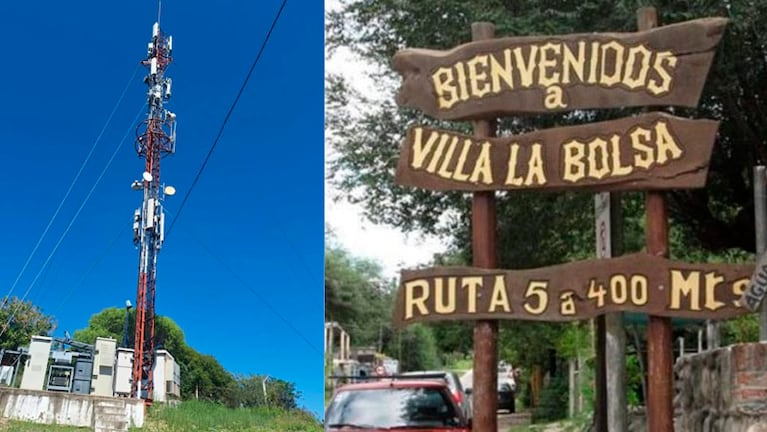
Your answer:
<point x="650" y="151"/>
<point x="574" y="291"/>
<point x="663" y="66"/>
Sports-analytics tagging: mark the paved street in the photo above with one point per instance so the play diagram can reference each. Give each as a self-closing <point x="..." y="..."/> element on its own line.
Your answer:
<point x="506" y="421"/>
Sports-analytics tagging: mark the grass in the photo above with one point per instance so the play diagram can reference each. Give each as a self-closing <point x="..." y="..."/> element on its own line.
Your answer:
<point x="202" y="416"/>
<point x="19" y="426"/>
<point x="194" y="416"/>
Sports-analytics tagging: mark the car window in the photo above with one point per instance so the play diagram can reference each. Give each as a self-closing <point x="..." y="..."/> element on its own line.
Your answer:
<point x="392" y="407"/>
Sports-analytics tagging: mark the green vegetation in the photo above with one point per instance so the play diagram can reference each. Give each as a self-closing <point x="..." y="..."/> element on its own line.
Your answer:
<point x="201" y="416"/>
<point x="203" y="376"/>
<point x="20" y="320"/>
<point x="220" y="393"/>
<point x="206" y="416"/>
<point x="19" y="426"/>
<point x="359" y="298"/>
<point x="714" y="224"/>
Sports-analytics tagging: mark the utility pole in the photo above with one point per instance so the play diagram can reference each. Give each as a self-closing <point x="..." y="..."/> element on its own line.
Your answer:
<point x="156" y="138"/>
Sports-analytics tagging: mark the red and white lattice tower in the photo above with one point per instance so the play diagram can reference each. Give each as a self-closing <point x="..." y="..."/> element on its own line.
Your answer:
<point x="155" y="138"/>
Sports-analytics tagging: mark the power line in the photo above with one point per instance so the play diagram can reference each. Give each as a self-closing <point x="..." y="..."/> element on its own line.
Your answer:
<point x="202" y="168"/>
<point x="226" y="118"/>
<point x="271" y="308"/>
<point x="71" y="186"/>
<point x="71" y="222"/>
<point x="120" y="233"/>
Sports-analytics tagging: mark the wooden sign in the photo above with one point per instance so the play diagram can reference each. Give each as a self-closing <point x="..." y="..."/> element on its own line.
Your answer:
<point x="575" y="291"/>
<point x="757" y="287"/>
<point x="491" y="78"/>
<point x="651" y="151"/>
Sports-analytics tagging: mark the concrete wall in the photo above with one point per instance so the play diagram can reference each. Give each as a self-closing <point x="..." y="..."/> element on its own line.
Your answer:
<point x="722" y="390"/>
<point x="97" y="412"/>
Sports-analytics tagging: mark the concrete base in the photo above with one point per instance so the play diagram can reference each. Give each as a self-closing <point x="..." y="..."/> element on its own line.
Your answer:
<point x="103" y="414"/>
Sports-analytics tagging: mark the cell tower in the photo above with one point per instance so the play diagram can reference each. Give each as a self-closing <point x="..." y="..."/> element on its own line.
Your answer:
<point x="155" y="139"/>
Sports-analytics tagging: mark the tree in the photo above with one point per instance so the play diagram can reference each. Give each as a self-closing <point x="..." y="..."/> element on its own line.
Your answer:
<point x="357" y="296"/>
<point x="416" y="348"/>
<point x="19" y="321"/>
<point x="716" y="218"/>
<point x="109" y="323"/>
<point x="202" y="376"/>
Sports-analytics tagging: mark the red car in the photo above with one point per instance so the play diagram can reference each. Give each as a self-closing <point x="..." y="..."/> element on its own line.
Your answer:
<point x="389" y="404"/>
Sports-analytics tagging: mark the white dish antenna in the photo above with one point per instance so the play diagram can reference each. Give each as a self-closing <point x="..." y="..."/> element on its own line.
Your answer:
<point x="147" y="176"/>
<point x="170" y="190"/>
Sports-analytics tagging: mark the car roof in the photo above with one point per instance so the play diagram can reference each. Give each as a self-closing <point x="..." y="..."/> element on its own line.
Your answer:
<point x="445" y="374"/>
<point x="383" y="383"/>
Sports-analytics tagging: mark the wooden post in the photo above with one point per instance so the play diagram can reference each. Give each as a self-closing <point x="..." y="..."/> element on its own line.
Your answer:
<point x="615" y="336"/>
<point x="485" y="374"/>
<point x="600" y="372"/>
<point x="660" y="411"/>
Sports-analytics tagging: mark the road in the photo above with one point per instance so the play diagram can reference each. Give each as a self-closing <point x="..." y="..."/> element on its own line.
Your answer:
<point x="505" y="420"/>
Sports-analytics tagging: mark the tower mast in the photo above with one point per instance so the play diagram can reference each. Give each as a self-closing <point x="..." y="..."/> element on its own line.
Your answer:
<point x="155" y="139"/>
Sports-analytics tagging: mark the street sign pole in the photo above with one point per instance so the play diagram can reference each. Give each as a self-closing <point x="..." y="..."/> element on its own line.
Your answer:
<point x="611" y="375"/>
<point x="660" y="414"/>
<point x="602" y="209"/>
<point x="485" y="375"/>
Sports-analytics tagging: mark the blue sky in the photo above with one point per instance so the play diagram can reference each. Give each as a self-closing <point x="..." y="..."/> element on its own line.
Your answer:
<point x="258" y="207"/>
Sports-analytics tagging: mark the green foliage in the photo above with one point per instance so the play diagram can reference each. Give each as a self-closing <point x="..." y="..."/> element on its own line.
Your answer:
<point x="553" y="401"/>
<point x="206" y="416"/>
<point x="528" y="342"/>
<point x="356" y="296"/>
<point x="109" y="323"/>
<point x="718" y="217"/>
<point x="19" y="321"/>
<point x="634" y="381"/>
<point x="575" y="341"/>
<point x="453" y="339"/>
<point x="202" y="376"/>
<point x="201" y="416"/>
<point x="741" y="330"/>
<point x="250" y="392"/>
<point x="416" y="348"/>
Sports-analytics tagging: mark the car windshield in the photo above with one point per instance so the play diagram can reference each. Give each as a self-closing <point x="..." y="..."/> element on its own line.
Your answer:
<point x="392" y="408"/>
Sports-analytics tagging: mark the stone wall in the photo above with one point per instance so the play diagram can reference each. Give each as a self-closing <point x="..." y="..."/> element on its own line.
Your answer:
<point x="101" y="413"/>
<point x="722" y="390"/>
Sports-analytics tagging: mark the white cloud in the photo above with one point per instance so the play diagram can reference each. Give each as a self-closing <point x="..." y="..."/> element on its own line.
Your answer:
<point x="393" y="249"/>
